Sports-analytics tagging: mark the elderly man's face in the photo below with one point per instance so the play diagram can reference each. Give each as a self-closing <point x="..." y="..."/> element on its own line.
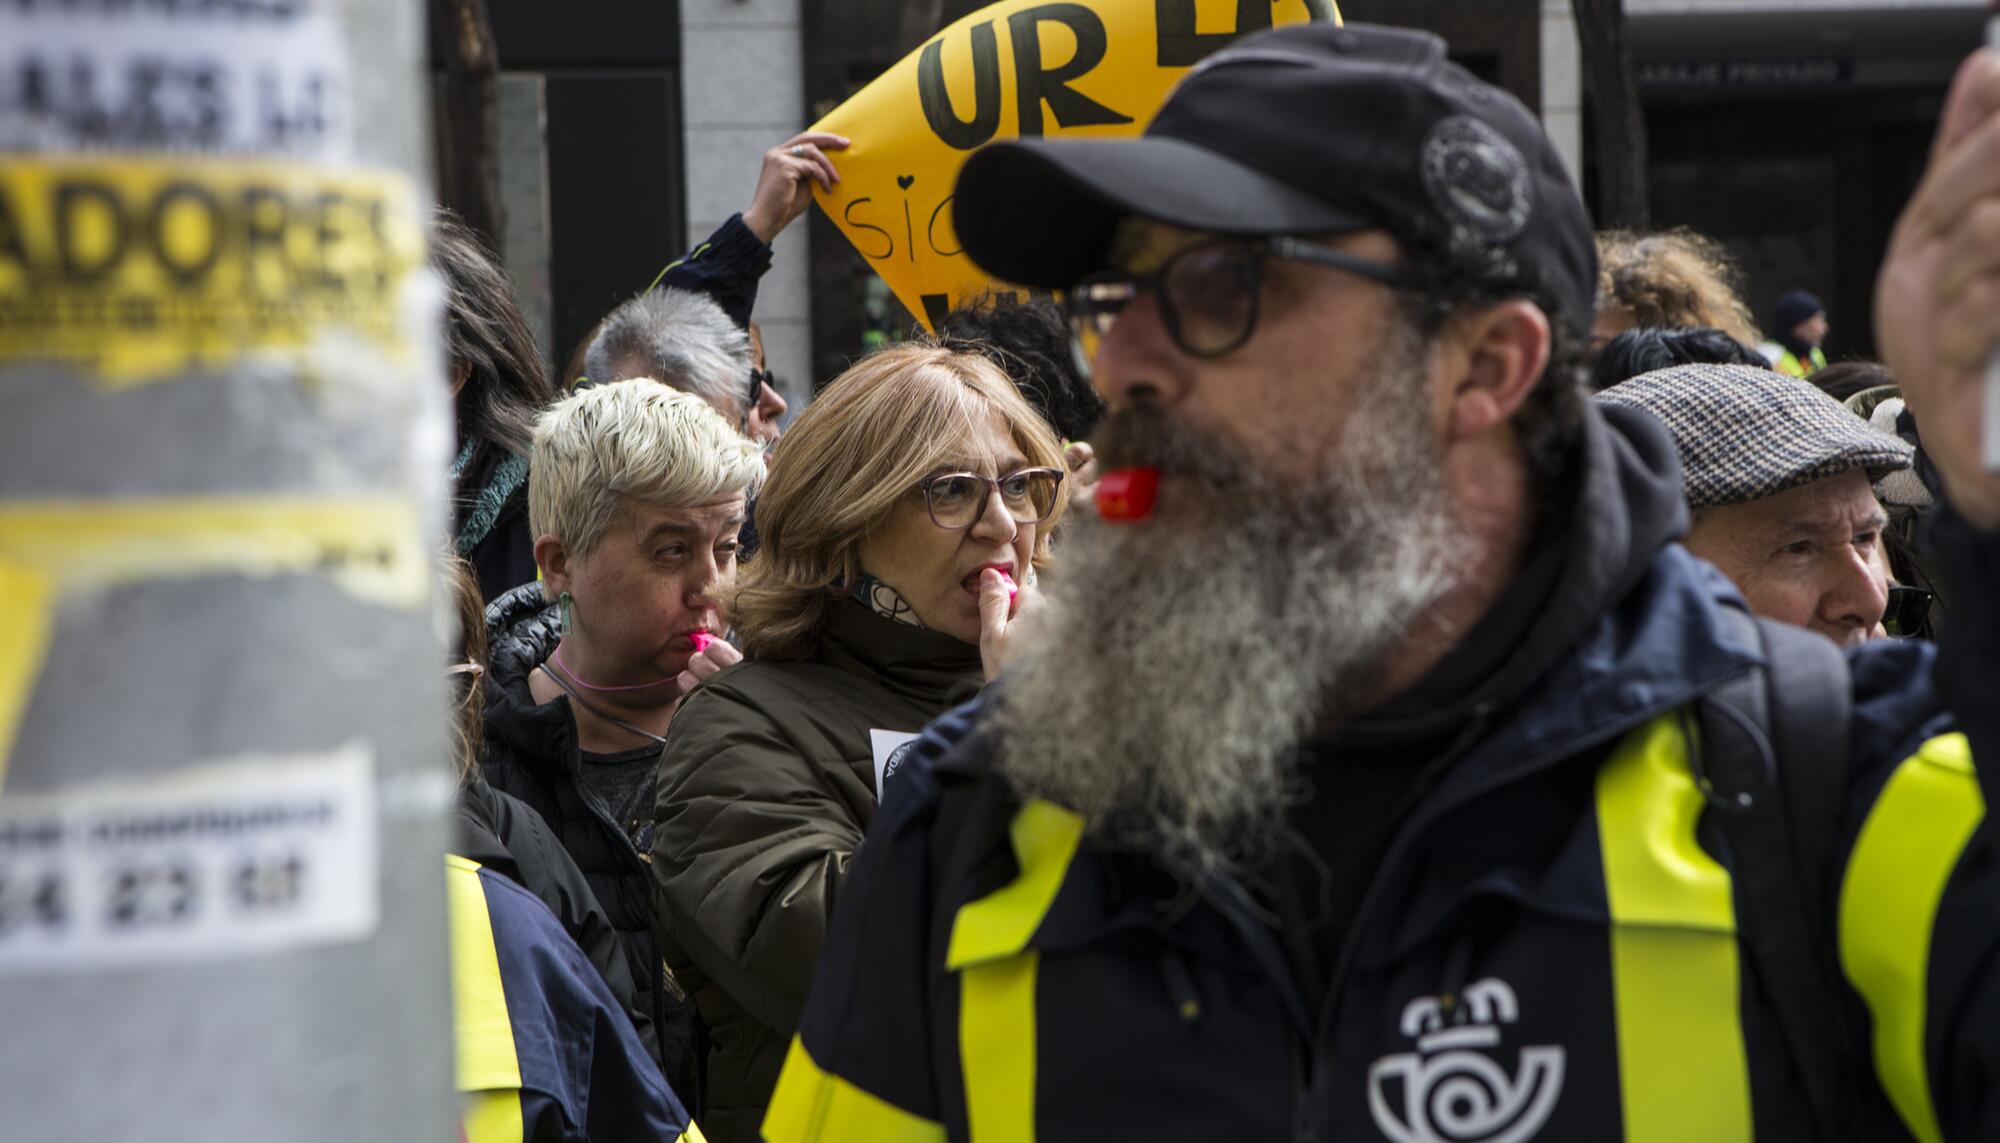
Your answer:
<point x="1810" y="556"/>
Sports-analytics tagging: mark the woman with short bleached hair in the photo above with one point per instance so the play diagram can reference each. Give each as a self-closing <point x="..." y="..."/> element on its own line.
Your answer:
<point x="905" y="509"/>
<point x="635" y="495"/>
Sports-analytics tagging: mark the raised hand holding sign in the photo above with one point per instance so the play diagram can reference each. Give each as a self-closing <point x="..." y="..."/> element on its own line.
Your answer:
<point x="1020" y="67"/>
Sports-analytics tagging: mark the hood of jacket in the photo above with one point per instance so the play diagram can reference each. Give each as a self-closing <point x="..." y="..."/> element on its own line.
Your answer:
<point x="1606" y="520"/>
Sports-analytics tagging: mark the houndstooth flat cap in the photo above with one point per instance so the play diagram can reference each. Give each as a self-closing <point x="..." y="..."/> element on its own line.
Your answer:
<point x="1746" y="433"/>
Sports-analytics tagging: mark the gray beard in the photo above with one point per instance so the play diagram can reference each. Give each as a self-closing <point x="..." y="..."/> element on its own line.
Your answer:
<point x="1164" y="689"/>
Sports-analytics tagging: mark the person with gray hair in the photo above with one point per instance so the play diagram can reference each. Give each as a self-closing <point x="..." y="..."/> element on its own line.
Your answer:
<point x="679" y="338"/>
<point x="1778" y="478"/>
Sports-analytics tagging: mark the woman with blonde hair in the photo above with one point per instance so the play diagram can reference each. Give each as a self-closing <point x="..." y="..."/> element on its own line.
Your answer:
<point x="635" y="495"/>
<point x="904" y="511"/>
<point x="1670" y="279"/>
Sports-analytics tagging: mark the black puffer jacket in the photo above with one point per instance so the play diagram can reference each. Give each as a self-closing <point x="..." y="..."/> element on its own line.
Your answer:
<point x="532" y="753"/>
<point x="501" y="833"/>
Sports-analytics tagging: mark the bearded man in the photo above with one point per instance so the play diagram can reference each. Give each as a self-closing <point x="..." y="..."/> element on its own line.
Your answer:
<point x="1381" y="767"/>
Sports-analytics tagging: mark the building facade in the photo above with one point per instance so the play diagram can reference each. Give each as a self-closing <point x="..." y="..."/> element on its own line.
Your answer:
<point x="1791" y="130"/>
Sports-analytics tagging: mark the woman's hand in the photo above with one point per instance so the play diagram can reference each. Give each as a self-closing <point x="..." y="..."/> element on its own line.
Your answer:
<point x="1001" y="604"/>
<point x="709" y="660"/>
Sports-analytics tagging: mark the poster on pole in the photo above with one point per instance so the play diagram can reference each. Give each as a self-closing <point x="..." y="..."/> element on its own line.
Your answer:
<point x="1019" y="68"/>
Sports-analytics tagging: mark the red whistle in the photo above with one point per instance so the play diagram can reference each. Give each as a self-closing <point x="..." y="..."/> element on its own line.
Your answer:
<point x="701" y="640"/>
<point x="1126" y="494"/>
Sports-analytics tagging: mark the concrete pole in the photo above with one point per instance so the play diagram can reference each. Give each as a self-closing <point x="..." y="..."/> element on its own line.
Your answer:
<point x="223" y="781"/>
<point x="1562" y="86"/>
<point x="742" y="93"/>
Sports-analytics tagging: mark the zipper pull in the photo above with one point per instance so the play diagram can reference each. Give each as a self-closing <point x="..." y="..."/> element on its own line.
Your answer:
<point x="1180" y="985"/>
<point x="1305" y="1123"/>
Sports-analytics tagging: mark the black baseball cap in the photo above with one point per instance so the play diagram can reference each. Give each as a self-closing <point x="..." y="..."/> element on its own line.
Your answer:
<point x="1306" y="129"/>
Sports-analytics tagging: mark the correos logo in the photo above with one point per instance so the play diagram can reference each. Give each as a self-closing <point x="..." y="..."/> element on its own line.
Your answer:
<point x="1451" y="1090"/>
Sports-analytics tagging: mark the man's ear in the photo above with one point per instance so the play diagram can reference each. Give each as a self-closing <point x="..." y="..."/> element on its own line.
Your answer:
<point x="1506" y="348"/>
<point x="553" y="559"/>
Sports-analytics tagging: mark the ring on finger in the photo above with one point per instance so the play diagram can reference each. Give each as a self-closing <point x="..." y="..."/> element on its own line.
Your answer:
<point x="796" y="151"/>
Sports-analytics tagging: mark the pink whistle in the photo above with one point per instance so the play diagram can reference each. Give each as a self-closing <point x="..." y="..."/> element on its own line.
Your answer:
<point x="701" y="640"/>
<point x="1013" y="591"/>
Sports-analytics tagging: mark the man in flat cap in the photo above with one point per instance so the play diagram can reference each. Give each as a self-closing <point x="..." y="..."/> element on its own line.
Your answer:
<point x="1381" y="767"/>
<point x="1780" y="478"/>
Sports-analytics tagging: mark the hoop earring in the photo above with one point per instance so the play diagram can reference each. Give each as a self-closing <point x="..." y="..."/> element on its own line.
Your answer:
<point x="564" y="623"/>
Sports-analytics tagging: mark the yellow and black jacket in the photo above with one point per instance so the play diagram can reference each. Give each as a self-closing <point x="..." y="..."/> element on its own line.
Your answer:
<point x="1792" y="363"/>
<point x="1548" y="947"/>
<point x="545" y="1052"/>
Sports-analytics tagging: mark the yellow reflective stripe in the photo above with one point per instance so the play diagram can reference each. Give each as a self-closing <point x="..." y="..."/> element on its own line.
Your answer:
<point x="1905" y="854"/>
<point x="370" y="546"/>
<point x="1681" y="1065"/>
<point x="692" y="1134"/>
<point x="811" y="1104"/>
<point x="1045" y="837"/>
<point x="996" y="1047"/>
<point x="30" y="597"/>
<point x="483" y="1034"/>
<point x="492" y="1117"/>
<point x="692" y="255"/>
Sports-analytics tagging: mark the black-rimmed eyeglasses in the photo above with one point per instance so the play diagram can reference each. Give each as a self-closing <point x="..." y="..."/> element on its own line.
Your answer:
<point x="758" y="379"/>
<point x="1909" y="613"/>
<point x="957" y="500"/>
<point x="1209" y="292"/>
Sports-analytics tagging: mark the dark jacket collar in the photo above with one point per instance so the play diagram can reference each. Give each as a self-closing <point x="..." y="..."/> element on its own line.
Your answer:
<point x="1630" y="628"/>
<point x="929" y="666"/>
<point x="1608" y="516"/>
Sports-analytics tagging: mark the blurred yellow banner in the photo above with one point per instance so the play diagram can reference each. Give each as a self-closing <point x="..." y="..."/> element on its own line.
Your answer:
<point x="1014" y="69"/>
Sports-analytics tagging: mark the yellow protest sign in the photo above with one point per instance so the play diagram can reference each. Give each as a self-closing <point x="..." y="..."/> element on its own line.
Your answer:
<point x="1017" y="68"/>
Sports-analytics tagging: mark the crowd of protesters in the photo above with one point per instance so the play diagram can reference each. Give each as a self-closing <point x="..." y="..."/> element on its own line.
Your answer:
<point x="1376" y="660"/>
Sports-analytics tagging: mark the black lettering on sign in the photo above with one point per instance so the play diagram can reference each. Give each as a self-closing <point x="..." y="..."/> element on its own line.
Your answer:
<point x="936" y="308"/>
<point x="267" y="264"/>
<point x="847" y="216"/>
<point x="12" y="248"/>
<point x="1036" y="85"/>
<point x="77" y="203"/>
<point x="274" y="883"/>
<point x="149" y="895"/>
<point x="930" y="231"/>
<point x="32" y="900"/>
<point x="185" y="228"/>
<point x="962" y="134"/>
<point x="1182" y="46"/>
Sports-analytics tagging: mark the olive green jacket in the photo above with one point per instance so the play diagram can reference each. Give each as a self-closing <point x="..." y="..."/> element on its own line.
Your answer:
<point x="766" y="786"/>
